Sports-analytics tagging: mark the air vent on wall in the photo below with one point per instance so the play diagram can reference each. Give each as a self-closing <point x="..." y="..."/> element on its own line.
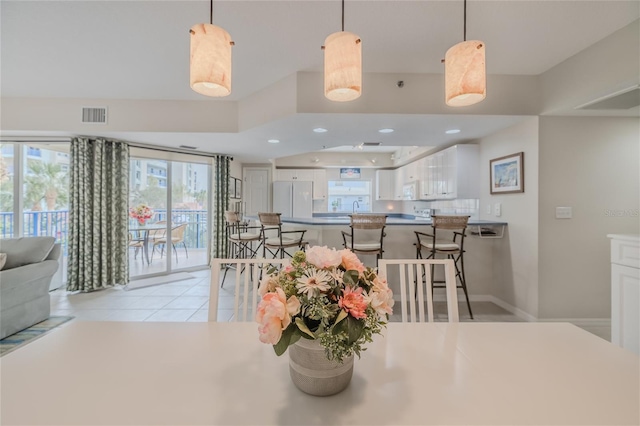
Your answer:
<point x="187" y="147"/>
<point x="94" y="115"/>
<point x="372" y="143"/>
<point x="623" y="99"/>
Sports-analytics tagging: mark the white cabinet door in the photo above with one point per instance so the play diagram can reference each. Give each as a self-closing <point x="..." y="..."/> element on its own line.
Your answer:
<point x="411" y="172"/>
<point x="304" y="175"/>
<point x="293" y="175"/>
<point x="399" y="183"/>
<point x="385" y="185"/>
<point x="286" y="175"/>
<point x="320" y="184"/>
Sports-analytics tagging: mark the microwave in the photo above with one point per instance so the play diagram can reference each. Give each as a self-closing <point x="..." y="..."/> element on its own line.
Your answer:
<point x="410" y="191"/>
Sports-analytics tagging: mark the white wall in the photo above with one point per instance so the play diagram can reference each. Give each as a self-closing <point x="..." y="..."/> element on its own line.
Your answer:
<point x="610" y="65"/>
<point x="515" y="257"/>
<point x="592" y="165"/>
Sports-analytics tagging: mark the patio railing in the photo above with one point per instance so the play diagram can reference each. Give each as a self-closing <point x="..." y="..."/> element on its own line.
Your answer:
<point x="55" y="223"/>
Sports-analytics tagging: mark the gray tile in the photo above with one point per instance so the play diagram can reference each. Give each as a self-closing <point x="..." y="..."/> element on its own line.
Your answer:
<point x="198" y="290"/>
<point x="152" y="302"/>
<point x="187" y="302"/>
<point x="171" y="315"/>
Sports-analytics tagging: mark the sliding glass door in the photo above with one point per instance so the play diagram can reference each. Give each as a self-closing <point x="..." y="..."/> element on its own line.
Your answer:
<point x="168" y="226"/>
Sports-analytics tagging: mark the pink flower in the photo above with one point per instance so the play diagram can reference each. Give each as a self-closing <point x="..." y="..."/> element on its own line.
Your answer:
<point x="350" y="261"/>
<point x="274" y="315"/>
<point x="323" y="257"/>
<point x="353" y="302"/>
<point x="381" y="297"/>
<point x="268" y="284"/>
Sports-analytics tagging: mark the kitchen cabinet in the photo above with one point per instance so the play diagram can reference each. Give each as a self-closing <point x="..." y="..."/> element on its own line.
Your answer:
<point x="319" y="184"/>
<point x="317" y="176"/>
<point x="400" y="174"/>
<point x="385" y="184"/>
<point x="410" y="172"/>
<point x="625" y="291"/>
<point x="451" y="173"/>
<point x="292" y="175"/>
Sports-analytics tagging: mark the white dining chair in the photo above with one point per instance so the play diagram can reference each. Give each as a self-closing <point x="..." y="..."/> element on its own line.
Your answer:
<point x="414" y="278"/>
<point x="246" y="283"/>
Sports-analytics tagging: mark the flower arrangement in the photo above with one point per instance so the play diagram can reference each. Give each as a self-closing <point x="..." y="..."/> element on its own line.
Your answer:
<point x="324" y="294"/>
<point x="141" y="213"/>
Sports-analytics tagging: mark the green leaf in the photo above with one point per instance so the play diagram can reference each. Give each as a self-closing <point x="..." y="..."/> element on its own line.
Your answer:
<point x="351" y="277"/>
<point x="285" y="340"/>
<point x="303" y="327"/>
<point x="354" y="329"/>
<point x="342" y="315"/>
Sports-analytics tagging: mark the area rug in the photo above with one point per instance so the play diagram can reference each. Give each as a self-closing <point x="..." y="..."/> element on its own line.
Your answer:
<point x="10" y="343"/>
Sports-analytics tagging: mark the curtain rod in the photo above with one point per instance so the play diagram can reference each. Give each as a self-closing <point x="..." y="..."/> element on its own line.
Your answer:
<point x="176" y="150"/>
<point x="41" y="139"/>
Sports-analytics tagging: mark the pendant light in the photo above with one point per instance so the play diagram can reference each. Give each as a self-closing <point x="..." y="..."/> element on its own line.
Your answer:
<point x="342" y="65"/>
<point x="210" y="64"/>
<point x="465" y="76"/>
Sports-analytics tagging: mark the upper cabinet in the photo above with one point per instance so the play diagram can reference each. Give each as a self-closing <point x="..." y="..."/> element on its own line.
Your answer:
<point x="385" y="184"/>
<point x="320" y="184"/>
<point x="290" y="175"/>
<point x="451" y="173"/>
<point x="317" y="176"/>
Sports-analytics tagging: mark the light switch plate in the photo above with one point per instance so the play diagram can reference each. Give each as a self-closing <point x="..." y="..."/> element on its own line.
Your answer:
<point x="564" y="212"/>
<point x="497" y="209"/>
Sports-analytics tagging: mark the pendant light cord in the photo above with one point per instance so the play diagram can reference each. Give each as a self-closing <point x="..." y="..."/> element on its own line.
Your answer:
<point x="211" y="11"/>
<point x="465" y="20"/>
<point x="343" y="14"/>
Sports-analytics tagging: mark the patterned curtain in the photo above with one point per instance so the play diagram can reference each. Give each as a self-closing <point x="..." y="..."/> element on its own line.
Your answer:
<point x="220" y="205"/>
<point x="98" y="214"/>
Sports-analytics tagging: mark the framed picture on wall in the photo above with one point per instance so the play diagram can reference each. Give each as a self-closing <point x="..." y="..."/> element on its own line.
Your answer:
<point x="238" y="188"/>
<point x="232" y="187"/>
<point x="507" y="174"/>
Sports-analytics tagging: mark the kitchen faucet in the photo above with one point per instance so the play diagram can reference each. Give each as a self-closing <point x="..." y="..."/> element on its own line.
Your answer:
<point x="355" y="203"/>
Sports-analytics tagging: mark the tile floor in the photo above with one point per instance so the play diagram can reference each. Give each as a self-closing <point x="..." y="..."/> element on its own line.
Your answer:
<point x="188" y="300"/>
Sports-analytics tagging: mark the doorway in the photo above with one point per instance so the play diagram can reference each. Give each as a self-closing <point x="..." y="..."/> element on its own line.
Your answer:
<point x="256" y="190"/>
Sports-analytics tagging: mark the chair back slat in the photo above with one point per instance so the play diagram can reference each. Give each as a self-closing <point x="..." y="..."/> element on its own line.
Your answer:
<point x="449" y="222"/>
<point x="368" y="221"/>
<point x="247" y="281"/>
<point x="232" y="217"/>
<point x="269" y="219"/>
<point x="415" y="281"/>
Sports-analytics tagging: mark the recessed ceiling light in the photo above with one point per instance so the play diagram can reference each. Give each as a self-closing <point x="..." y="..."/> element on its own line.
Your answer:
<point x="273" y="141"/>
<point x="320" y="130"/>
<point x="387" y="130"/>
<point x="452" y="131"/>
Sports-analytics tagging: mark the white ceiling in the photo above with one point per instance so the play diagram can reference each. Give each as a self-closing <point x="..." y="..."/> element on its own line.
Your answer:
<point x="140" y="50"/>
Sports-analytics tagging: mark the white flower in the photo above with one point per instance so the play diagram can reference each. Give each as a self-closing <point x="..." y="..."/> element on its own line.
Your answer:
<point x="313" y="282"/>
<point x="323" y="257"/>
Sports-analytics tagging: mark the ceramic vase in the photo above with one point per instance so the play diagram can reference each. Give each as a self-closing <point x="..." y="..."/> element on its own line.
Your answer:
<point x="313" y="373"/>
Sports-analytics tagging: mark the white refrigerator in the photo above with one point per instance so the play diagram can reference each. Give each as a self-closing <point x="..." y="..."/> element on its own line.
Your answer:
<point x="293" y="199"/>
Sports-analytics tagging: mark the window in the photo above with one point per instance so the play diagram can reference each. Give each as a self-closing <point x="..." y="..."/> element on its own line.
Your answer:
<point x="348" y="196"/>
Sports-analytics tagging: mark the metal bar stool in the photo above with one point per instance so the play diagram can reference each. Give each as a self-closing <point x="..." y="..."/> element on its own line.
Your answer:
<point x="453" y="249"/>
<point x="366" y="242"/>
<point x="275" y="240"/>
<point x="241" y="239"/>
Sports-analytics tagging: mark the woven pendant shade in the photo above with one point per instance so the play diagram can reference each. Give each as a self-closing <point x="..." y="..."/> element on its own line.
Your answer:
<point x="465" y="74"/>
<point x="210" y="60"/>
<point x="342" y="67"/>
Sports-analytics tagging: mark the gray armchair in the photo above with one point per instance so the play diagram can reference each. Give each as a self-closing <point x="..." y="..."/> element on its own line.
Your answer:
<point x="30" y="265"/>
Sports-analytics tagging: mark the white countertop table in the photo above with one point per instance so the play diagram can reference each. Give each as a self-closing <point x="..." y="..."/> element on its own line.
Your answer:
<point x="119" y="373"/>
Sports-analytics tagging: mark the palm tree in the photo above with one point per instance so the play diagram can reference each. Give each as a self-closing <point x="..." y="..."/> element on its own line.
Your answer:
<point x="46" y="181"/>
